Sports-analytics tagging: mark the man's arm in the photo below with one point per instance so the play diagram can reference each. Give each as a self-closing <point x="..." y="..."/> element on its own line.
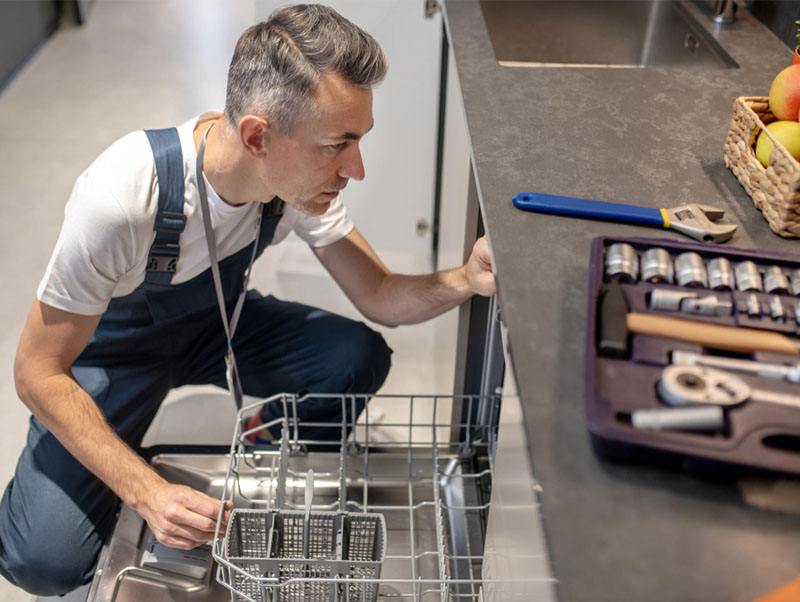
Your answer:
<point x="392" y="299"/>
<point x="51" y="340"/>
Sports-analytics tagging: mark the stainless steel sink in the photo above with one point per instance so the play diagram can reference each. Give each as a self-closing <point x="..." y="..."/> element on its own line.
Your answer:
<point x="600" y="33"/>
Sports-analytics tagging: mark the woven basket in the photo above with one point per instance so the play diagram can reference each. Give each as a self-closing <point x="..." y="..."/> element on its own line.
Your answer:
<point x="775" y="190"/>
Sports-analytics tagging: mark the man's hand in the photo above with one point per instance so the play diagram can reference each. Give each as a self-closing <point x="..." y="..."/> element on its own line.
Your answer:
<point x="50" y="342"/>
<point x="392" y="299"/>
<point x="181" y="517"/>
<point x="479" y="269"/>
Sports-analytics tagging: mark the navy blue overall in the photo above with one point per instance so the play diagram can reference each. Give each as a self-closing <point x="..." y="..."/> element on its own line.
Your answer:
<point x="54" y="514"/>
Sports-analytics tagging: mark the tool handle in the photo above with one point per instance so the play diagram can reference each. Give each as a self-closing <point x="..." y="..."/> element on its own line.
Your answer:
<point x="729" y="338"/>
<point x="567" y="205"/>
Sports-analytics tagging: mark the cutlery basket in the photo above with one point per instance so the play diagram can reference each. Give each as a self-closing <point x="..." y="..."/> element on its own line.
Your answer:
<point x="271" y="544"/>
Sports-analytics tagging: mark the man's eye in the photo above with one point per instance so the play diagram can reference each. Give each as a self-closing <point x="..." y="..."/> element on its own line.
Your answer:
<point x="338" y="146"/>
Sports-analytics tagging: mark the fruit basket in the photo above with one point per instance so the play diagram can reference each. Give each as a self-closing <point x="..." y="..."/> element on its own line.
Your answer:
<point x="775" y="189"/>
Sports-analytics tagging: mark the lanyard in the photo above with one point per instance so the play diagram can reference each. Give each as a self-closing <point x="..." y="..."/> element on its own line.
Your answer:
<point x="231" y="372"/>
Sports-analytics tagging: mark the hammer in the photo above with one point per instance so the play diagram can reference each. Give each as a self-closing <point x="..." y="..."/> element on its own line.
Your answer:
<point x="614" y="322"/>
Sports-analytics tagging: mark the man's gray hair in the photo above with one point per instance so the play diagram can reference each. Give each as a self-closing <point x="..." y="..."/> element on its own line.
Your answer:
<point x="277" y="63"/>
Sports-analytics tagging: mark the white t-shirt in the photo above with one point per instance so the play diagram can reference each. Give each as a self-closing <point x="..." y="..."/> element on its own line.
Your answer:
<point x="105" y="240"/>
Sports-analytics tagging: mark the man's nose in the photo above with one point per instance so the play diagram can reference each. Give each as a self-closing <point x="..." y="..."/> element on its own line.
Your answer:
<point x="353" y="165"/>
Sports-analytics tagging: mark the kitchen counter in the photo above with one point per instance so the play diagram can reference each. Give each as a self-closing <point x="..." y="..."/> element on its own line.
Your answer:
<point x="653" y="137"/>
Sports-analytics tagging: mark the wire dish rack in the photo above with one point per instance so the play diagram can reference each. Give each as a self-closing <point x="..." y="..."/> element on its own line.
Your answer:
<point x="398" y="507"/>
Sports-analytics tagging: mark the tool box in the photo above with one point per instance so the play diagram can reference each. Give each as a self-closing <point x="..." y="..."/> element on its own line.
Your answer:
<point x="693" y="356"/>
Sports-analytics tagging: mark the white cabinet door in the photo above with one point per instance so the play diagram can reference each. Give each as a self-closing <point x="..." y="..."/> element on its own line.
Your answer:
<point x="400" y="152"/>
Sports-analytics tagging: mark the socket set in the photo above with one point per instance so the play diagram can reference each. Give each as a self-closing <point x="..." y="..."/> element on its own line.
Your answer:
<point x="693" y="356"/>
<point x="753" y="291"/>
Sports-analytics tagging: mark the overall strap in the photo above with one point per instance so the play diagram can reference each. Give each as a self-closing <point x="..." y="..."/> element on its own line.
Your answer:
<point x="170" y="220"/>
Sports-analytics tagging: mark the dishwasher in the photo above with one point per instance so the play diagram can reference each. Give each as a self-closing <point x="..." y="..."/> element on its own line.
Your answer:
<point x="416" y="501"/>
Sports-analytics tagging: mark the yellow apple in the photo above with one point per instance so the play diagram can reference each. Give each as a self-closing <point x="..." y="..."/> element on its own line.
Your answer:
<point x="785" y="132"/>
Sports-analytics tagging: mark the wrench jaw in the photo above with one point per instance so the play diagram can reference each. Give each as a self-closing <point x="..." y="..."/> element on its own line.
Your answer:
<point x="698" y="222"/>
<point x="713" y="213"/>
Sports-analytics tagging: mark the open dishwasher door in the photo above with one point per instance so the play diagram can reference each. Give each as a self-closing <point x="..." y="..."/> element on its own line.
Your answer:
<point x="516" y="566"/>
<point x="429" y="488"/>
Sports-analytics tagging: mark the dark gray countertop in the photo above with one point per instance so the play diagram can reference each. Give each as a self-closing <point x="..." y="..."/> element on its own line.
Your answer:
<point x="645" y="136"/>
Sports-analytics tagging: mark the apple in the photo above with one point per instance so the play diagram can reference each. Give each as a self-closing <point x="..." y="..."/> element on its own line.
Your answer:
<point x="785" y="132"/>
<point x="784" y="94"/>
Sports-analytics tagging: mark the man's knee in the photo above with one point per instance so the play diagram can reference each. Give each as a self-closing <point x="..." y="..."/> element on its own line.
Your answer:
<point x="44" y="567"/>
<point x="49" y="539"/>
<point x="364" y="359"/>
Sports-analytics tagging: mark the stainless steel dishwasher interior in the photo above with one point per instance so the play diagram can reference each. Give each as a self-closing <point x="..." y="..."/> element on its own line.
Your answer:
<point x="433" y="495"/>
<point x="600" y="33"/>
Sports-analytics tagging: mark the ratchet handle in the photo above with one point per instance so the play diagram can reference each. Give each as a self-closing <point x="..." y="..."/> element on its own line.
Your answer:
<point x="572" y="206"/>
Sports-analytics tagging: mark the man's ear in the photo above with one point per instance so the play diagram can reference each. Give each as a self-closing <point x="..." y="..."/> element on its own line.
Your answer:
<point x="254" y="134"/>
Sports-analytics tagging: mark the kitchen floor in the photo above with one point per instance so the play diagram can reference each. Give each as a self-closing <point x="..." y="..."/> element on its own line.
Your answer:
<point x="82" y="90"/>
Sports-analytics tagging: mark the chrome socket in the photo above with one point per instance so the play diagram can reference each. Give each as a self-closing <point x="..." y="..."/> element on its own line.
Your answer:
<point x="707" y="306"/>
<point x="753" y="306"/>
<point x="657" y="266"/>
<point x="748" y="277"/>
<point x="666" y="299"/>
<point x="720" y="274"/>
<point x="690" y="270"/>
<point x="795" y="282"/>
<point x="775" y="281"/>
<point x="776" y="309"/>
<point x="622" y="262"/>
<point x="688" y="302"/>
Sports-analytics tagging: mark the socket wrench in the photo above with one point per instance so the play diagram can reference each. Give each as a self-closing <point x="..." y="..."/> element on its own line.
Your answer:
<point x="698" y="385"/>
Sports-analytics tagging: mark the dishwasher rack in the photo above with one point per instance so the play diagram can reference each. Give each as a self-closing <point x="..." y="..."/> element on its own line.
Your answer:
<point x="426" y="473"/>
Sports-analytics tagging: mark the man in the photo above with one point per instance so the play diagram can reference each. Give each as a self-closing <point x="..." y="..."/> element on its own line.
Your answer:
<point x="124" y="314"/>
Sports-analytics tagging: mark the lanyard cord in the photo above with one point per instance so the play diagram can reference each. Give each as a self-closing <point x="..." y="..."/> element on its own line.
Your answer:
<point x="232" y="373"/>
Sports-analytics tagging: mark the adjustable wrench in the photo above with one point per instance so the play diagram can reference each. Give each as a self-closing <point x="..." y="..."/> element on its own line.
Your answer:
<point x="700" y="222"/>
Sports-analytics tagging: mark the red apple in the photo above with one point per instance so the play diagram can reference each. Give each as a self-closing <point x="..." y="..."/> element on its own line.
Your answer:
<point x="784" y="95"/>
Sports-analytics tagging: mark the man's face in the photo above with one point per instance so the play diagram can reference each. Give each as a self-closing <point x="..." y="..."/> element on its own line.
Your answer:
<point x="310" y="167"/>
